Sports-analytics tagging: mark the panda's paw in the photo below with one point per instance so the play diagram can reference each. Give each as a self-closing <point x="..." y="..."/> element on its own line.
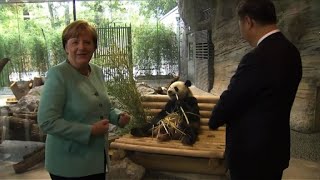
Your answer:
<point x="163" y="137"/>
<point x="138" y="132"/>
<point x="186" y="140"/>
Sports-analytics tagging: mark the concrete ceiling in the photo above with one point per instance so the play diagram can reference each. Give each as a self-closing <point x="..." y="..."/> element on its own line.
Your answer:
<point x="38" y="1"/>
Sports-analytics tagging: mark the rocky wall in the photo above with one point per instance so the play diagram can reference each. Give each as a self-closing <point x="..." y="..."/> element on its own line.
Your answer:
<point x="299" y="20"/>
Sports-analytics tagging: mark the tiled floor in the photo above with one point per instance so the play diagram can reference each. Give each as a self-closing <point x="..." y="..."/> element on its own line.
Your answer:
<point x="298" y="170"/>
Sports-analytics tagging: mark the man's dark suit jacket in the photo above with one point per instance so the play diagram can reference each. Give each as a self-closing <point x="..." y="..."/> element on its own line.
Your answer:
<point x="256" y="106"/>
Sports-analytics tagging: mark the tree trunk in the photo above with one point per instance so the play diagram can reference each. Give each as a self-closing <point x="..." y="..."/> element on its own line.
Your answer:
<point x="3" y="62"/>
<point x="50" y="7"/>
<point x="20" y="91"/>
<point x="37" y="81"/>
<point x="14" y="128"/>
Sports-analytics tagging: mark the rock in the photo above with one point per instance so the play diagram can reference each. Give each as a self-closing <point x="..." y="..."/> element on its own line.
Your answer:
<point x="145" y="89"/>
<point x="125" y="169"/>
<point x="28" y="103"/>
<point x="118" y="155"/>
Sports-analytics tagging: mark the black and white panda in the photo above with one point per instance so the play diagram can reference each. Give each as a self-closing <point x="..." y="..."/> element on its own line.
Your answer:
<point x="181" y="103"/>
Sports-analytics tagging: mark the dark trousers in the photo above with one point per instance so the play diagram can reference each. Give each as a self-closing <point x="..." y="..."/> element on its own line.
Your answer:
<point x="255" y="174"/>
<point x="101" y="176"/>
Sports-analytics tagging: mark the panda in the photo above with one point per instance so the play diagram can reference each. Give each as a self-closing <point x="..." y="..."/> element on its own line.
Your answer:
<point x="181" y="109"/>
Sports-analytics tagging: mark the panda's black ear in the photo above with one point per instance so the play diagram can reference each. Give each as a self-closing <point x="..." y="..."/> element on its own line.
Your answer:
<point x="187" y="83"/>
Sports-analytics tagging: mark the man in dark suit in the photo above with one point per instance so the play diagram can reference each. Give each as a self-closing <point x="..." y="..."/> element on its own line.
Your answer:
<point x="257" y="103"/>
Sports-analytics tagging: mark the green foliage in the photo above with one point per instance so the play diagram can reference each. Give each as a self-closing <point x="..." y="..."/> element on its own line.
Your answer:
<point x="39" y="55"/>
<point x="123" y="87"/>
<point x="33" y="43"/>
<point x="156" y="8"/>
<point x="103" y="12"/>
<point x="57" y="53"/>
<point x="4" y="76"/>
<point x="153" y="47"/>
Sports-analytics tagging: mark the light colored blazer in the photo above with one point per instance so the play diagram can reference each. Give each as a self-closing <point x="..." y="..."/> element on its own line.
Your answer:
<point x="70" y="103"/>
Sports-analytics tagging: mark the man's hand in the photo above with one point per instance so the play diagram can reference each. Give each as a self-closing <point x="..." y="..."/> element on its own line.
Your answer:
<point x="124" y="119"/>
<point x="100" y="127"/>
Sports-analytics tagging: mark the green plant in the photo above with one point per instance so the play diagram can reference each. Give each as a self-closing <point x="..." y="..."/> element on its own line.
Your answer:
<point x="122" y="85"/>
<point x="154" y="47"/>
<point x="39" y="54"/>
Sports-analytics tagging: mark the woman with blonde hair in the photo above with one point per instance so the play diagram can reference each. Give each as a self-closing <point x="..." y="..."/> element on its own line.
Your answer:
<point x="75" y="110"/>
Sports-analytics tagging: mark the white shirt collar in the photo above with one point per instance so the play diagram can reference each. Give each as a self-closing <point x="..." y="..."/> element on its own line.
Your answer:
<point x="266" y="35"/>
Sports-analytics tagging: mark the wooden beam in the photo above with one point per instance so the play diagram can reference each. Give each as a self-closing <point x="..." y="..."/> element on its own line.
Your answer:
<point x="178" y="163"/>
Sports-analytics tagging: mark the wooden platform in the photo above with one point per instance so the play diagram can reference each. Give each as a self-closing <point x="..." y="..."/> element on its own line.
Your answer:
<point x="205" y="156"/>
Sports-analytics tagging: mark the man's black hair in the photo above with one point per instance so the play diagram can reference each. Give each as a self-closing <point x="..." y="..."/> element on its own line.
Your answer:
<point x="262" y="11"/>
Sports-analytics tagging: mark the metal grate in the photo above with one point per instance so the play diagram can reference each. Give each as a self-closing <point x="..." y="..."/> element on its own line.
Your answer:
<point x="206" y="14"/>
<point x="204" y="60"/>
<point x="114" y="45"/>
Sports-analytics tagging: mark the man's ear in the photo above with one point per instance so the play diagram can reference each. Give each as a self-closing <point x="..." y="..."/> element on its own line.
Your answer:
<point x="250" y="22"/>
<point x="66" y="49"/>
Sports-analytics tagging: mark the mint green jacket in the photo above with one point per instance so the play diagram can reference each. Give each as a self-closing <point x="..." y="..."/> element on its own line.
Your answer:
<point x="70" y="103"/>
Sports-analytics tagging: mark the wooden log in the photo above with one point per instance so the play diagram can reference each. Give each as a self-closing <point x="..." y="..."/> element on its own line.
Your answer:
<point x="206" y="106"/>
<point x="154" y="105"/>
<point x="204" y="121"/>
<point x="170" y="151"/>
<point x="153" y="112"/>
<point x="29" y="115"/>
<point x="32" y="153"/>
<point x="205" y="114"/>
<point x="14" y="128"/>
<point x="204" y="143"/>
<point x="161" y="105"/>
<point x="174" y="163"/>
<point x="20" y="91"/>
<point x="37" y="81"/>
<point x="154" y="98"/>
<point x="5" y="111"/>
<point x="30" y="161"/>
<point x="165" y="98"/>
<point x="37" y="134"/>
<point x="16" y="122"/>
<point x="175" y="144"/>
<point x="207" y="99"/>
